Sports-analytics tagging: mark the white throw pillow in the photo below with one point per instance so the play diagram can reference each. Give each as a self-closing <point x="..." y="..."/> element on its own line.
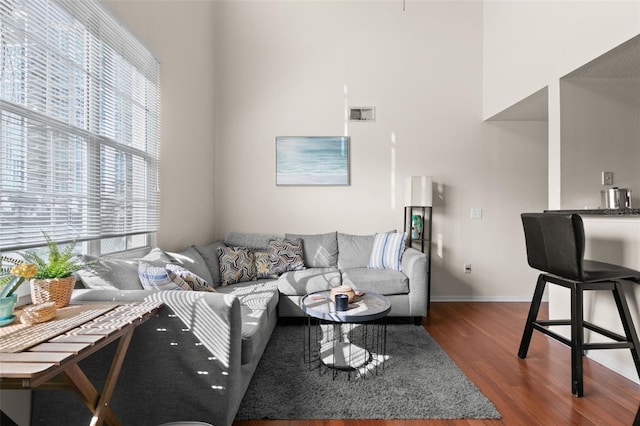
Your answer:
<point x="387" y="250"/>
<point x="157" y="278"/>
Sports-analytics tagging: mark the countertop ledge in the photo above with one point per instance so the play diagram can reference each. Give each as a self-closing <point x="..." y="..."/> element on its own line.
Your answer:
<point x="600" y="212"/>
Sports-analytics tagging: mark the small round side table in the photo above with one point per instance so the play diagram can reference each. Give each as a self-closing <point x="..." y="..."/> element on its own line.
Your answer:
<point x="346" y="339"/>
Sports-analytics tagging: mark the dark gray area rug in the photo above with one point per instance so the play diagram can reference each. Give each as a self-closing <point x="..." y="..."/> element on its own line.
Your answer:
<point x="419" y="381"/>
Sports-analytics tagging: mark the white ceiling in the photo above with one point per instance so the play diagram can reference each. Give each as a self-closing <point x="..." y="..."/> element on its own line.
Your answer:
<point x="622" y="61"/>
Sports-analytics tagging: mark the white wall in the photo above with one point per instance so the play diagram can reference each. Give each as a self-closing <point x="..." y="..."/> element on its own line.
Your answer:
<point x="282" y="70"/>
<point x="180" y="33"/>
<point x="237" y="74"/>
<point x="527" y="44"/>
<point x="600" y="132"/>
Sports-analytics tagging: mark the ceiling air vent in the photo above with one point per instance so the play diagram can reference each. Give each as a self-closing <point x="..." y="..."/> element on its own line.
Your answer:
<point x="362" y="114"/>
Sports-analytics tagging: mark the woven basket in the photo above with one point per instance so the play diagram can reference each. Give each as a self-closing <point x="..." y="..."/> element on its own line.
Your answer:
<point x="35" y="314"/>
<point x="56" y="290"/>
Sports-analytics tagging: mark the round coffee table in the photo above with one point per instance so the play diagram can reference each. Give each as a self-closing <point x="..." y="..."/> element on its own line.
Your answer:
<point x="343" y="353"/>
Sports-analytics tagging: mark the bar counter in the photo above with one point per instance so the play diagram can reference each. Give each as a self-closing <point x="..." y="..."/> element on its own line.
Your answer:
<point x="612" y="236"/>
<point x="600" y="212"/>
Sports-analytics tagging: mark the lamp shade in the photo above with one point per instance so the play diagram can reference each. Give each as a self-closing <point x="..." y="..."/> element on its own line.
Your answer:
<point x="418" y="191"/>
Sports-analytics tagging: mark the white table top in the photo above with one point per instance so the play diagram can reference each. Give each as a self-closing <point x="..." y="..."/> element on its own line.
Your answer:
<point x="368" y="307"/>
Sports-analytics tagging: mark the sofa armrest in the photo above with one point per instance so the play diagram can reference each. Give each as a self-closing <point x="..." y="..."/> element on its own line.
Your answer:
<point x="193" y="347"/>
<point x="414" y="266"/>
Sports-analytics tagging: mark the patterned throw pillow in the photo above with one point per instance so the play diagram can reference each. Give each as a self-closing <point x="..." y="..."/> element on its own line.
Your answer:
<point x="195" y="282"/>
<point x="157" y="278"/>
<point x="387" y="250"/>
<point x="237" y="264"/>
<point x="263" y="265"/>
<point x="286" y="255"/>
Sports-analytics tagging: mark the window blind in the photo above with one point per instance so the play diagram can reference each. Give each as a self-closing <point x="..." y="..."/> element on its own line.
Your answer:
<point x="79" y="125"/>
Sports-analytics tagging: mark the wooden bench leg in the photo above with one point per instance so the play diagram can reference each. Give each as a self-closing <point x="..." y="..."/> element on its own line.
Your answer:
<point x="98" y="403"/>
<point x="87" y="392"/>
<point x="102" y="408"/>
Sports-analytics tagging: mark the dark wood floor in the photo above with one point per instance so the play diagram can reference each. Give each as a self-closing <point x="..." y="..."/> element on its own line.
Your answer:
<point x="483" y="338"/>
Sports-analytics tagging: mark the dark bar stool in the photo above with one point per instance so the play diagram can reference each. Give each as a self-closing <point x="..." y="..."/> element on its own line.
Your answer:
<point x="555" y="245"/>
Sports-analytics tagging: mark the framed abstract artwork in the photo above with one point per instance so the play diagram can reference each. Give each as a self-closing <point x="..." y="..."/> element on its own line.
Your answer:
<point x="312" y="160"/>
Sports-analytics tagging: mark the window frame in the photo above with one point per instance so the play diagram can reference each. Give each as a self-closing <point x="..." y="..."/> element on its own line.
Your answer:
<point x="116" y="90"/>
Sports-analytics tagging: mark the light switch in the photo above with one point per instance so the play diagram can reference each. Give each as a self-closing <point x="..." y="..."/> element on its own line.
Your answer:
<point x="476" y="213"/>
<point x="607" y="178"/>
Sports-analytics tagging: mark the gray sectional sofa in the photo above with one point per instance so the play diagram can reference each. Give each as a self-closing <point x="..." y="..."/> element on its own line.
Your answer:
<point x="195" y="359"/>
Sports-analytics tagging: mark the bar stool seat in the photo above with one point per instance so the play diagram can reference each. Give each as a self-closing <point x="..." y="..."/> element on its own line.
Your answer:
<point x="555" y="246"/>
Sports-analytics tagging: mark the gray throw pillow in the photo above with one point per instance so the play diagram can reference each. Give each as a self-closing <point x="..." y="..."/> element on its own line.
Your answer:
<point x="320" y="250"/>
<point x="354" y="251"/>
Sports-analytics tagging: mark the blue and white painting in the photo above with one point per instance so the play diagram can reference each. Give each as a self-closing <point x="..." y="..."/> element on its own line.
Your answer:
<point x="312" y="160"/>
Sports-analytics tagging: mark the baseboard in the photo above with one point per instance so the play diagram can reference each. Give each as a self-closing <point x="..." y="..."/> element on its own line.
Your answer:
<point x="623" y="369"/>
<point x="482" y="299"/>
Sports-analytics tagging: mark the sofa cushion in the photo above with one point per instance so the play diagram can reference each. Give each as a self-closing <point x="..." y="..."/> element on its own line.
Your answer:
<point x="111" y="274"/>
<point x="209" y="254"/>
<point x="387" y="250"/>
<point x="320" y="250"/>
<point x="354" y="251"/>
<point x="285" y="255"/>
<point x="157" y="278"/>
<point x="192" y="260"/>
<point x="258" y="300"/>
<point x="118" y="273"/>
<point x="299" y="283"/>
<point x="237" y="265"/>
<point x="156" y="257"/>
<point x="382" y="281"/>
<point x="251" y="240"/>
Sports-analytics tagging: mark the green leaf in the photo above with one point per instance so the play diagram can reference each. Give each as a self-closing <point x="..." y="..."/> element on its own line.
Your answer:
<point x="59" y="264"/>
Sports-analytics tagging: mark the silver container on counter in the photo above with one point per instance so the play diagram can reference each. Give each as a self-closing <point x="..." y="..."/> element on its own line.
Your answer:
<point x="616" y="198"/>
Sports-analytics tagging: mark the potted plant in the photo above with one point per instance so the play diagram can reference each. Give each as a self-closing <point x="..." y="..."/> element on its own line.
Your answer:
<point x="12" y="274"/>
<point x="54" y="279"/>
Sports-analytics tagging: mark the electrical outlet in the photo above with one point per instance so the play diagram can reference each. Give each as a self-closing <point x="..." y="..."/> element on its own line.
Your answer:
<point x="476" y="213"/>
<point x="607" y="178"/>
<point x="467" y="268"/>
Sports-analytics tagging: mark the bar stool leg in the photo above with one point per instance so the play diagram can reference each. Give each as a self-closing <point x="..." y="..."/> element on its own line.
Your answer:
<point x="627" y="323"/>
<point x="532" y="317"/>
<point x="577" y="339"/>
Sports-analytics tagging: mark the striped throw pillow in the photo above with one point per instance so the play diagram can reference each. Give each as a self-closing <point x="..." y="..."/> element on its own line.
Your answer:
<point x="157" y="278"/>
<point x="387" y="250"/>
